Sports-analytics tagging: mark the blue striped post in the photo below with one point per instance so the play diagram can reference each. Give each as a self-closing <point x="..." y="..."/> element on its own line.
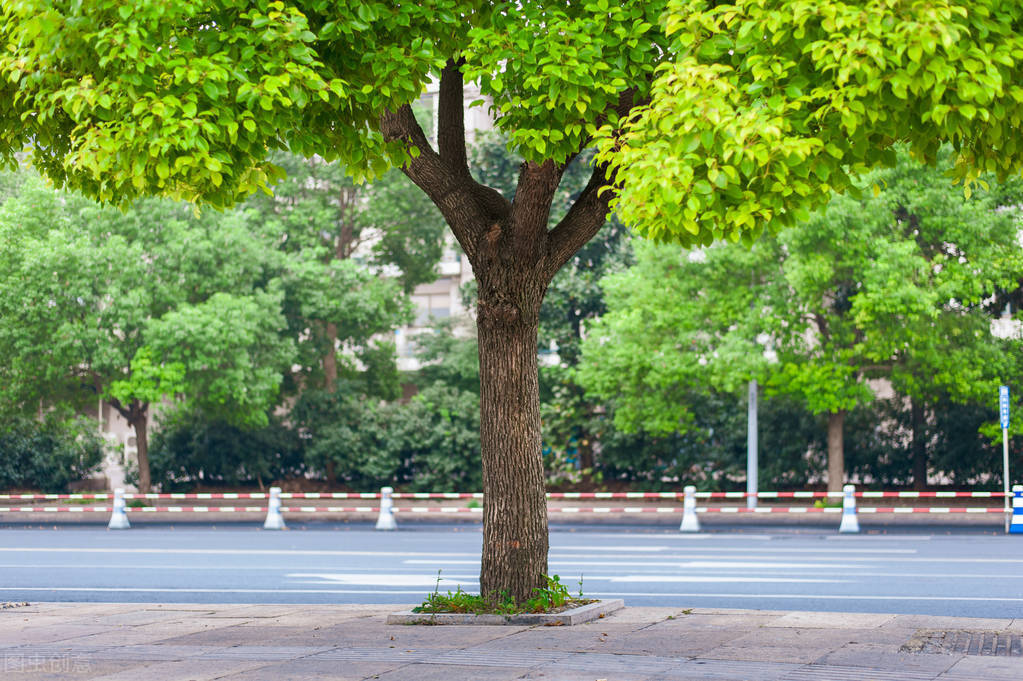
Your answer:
<point x="274" y="519"/>
<point x="118" y="518"/>
<point x="850" y="524"/>
<point x="1016" y="526"/>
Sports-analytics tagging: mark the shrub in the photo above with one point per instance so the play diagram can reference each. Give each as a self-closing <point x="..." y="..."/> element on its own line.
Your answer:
<point x="48" y="455"/>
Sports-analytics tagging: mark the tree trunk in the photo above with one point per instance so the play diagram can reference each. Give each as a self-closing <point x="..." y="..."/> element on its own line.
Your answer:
<point x="919" y="444"/>
<point x="330" y="359"/>
<point x="836" y="451"/>
<point x="515" y="538"/>
<point x="140" y="423"/>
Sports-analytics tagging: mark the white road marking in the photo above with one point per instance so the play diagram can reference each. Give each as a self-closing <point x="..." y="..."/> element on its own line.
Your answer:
<point x="377" y="579"/>
<point x="802" y="597"/>
<point x="232" y="552"/>
<point x="701" y="579"/>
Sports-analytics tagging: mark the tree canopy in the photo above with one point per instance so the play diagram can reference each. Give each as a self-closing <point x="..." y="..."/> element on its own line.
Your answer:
<point x="767" y="107"/>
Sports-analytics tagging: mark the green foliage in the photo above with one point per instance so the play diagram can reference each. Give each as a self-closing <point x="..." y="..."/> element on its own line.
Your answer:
<point x="767" y="108"/>
<point x="190" y="448"/>
<point x="901" y="284"/>
<point x="553" y="597"/>
<point x="47" y="455"/>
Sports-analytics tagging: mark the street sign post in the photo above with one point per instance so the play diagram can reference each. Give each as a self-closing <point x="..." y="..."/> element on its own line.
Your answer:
<point x="1003" y="414"/>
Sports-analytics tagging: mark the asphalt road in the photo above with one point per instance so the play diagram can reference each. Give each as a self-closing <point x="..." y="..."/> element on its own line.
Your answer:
<point x="926" y="571"/>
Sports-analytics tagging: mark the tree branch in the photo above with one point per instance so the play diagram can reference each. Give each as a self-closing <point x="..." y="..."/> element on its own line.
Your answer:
<point x="583" y="220"/>
<point x="468" y="207"/>
<point x="451" y="118"/>
<point x="531" y="207"/>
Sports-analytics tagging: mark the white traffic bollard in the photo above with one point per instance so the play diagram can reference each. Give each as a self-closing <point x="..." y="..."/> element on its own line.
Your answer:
<point x="1016" y="526"/>
<point x="274" y="519"/>
<point x="690" y="523"/>
<point x="118" y="519"/>
<point x="385" y="521"/>
<point x="850" y="524"/>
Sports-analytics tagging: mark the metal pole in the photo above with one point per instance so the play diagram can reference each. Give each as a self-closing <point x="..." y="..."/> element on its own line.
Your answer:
<point x="1005" y="475"/>
<point x="751" y="446"/>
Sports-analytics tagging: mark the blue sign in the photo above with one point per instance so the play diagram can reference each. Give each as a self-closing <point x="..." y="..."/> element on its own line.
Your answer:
<point x="1003" y="405"/>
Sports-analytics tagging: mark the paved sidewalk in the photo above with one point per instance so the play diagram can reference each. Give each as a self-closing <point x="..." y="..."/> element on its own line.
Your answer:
<point x="137" y="642"/>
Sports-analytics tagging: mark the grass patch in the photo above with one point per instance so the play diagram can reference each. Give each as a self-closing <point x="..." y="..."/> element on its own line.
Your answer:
<point x="137" y="503"/>
<point x="552" y="598"/>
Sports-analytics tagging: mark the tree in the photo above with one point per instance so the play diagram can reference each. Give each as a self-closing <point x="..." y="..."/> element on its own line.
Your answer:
<point x="136" y="307"/>
<point x="124" y="100"/>
<point x="897" y="285"/>
<point x="320" y="213"/>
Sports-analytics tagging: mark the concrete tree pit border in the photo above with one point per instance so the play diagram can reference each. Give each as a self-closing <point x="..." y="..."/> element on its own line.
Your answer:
<point x="579" y="615"/>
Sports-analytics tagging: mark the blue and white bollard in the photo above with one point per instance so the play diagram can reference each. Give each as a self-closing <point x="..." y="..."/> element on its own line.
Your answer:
<point x="385" y="521"/>
<point x="690" y="523"/>
<point x="850" y="524"/>
<point x="274" y="519"/>
<point x="118" y="518"/>
<point x="1016" y="526"/>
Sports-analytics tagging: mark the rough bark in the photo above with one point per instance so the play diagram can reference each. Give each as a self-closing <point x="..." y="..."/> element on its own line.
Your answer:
<point x="919" y="445"/>
<point x="139" y="420"/>
<point x="515" y="539"/>
<point x="836" y="451"/>
<point x="137" y="415"/>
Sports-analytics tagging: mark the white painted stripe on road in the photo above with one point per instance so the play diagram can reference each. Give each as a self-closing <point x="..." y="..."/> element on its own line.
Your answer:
<point x="231" y="552"/>
<point x="802" y="597"/>
<point x="701" y="579"/>
<point x="377" y="579"/>
<point x="776" y="549"/>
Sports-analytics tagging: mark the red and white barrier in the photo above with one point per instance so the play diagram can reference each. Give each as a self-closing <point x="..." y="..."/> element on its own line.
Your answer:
<point x="386" y="511"/>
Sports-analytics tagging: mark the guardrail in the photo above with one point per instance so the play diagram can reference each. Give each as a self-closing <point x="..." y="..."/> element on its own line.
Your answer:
<point x="386" y="510"/>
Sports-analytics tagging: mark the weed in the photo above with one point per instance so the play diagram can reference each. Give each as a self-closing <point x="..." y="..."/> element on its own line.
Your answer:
<point x="551" y="597"/>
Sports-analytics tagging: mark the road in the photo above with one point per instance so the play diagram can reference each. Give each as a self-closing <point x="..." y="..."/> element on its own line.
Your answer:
<point x="970" y="574"/>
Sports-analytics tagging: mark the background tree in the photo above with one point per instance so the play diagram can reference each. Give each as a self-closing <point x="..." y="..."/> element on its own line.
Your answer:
<point x="136" y="307"/>
<point x="389" y="227"/>
<point x="895" y="285"/>
<point x="130" y="100"/>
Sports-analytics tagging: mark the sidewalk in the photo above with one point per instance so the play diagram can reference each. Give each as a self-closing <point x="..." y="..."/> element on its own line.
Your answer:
<point x="137" y="642"/>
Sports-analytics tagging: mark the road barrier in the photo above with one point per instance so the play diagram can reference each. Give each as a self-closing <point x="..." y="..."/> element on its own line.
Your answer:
<point x="1016" y="526"/>
<point x="386" y="511"/>
<point x="849" y="524"/>
<point x="274" y="519"/>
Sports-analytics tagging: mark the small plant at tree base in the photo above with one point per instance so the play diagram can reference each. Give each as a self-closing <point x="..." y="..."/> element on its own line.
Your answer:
<point x="553" y="597"/>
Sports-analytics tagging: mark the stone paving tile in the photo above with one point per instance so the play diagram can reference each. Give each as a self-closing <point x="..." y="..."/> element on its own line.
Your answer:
<point x="448" y="636"/>
<point x="984" y="668"/>
<point x="831" y="620"/>
<point x="781" y="645"/>
<point x="652" y="641"/>
<point x="641" y="615"/>
<point x="49" y="633"/>
<point x="243" y="635"/>
<point x="694" y="619"/>
<point x="935" y="622"/>
<point x="140" y="617"/>
<point x="444" y="672"/>
<point x="576" y="675"/>
<point x="184" y="670"/>
<point x="318" y="670"/>
<point x="258" y="611"/>
<point x="883" y="657"/>
<point x="556" y="638"/>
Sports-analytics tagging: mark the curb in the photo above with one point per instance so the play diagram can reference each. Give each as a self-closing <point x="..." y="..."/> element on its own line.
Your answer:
<point x="584" y="613"/>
